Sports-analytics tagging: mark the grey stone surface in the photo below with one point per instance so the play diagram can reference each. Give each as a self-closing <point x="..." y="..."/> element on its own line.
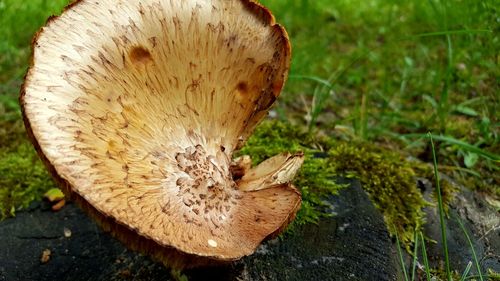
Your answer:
<point x="352" y="245"/>
<point x="479" y="218"/>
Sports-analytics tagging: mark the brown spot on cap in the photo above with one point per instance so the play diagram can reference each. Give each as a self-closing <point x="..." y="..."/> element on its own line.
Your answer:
<point x="139" y="54"/>
<point x="242" y="87"/>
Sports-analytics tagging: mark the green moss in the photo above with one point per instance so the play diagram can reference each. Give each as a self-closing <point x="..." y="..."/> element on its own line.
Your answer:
<point x="23" y="176"/>
<point x="273" y="137"/>
<point x="12" y="133"/>
<point x="177" y="275"/>
<point x="440" y="274"/>
<point x="448" y="189"/>
<point x="493" y="276"/>
<point x="388" y="179"/>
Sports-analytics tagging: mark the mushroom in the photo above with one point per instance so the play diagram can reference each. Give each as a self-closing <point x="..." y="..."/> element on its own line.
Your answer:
<point x="137" y="107"/>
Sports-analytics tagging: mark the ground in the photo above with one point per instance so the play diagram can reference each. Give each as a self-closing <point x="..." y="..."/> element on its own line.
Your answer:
<point x="67" y="245"/>
<point x="368" y="80"/>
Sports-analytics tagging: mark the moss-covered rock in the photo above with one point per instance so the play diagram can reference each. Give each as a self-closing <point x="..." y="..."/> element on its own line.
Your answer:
<point x="386" y="176"/>
<point x="389" y="179"/>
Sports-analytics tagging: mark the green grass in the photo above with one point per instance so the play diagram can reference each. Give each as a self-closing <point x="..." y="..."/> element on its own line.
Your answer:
<point x="424" y="257"/>
<point x="441" y="211"/>
<point x="401" y="258"/>
<point x="415" y="255"/>
<point x="18" y="21"/>
<point x="471" y="246"/>
<point x="384" y="69"/>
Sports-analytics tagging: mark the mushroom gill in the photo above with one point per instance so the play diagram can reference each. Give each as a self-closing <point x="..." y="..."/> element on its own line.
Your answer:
<point x="136" y="107"/>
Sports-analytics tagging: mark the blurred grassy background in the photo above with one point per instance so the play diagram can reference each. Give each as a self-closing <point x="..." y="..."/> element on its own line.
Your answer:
<point x="388" y="71"/>
<point x="381" y="71"/>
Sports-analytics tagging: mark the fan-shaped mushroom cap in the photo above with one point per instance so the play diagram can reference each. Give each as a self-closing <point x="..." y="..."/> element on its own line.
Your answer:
<point x="137" y="107"/>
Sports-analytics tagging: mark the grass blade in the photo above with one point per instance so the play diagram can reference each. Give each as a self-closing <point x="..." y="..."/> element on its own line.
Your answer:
<point x="451" y="32"/>
<point x="316" y="79"/>
<point x="362" y="117"/>
<point x="444" y="109"/>
<point x="441" y="212"/>
<point x="466" y="271"/>
<point x="320" y="96"/>
<point x="491" y="277"/>
<point x="400" y="253"/>
<point x="476" y="262"/>
<point x="424" y="256"/>
<point x="415" y="254"/>
<point x="462" y="144"/>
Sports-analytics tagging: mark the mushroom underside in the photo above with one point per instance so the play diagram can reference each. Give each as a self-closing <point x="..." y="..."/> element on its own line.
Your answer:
<point x="136" y="107"/>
